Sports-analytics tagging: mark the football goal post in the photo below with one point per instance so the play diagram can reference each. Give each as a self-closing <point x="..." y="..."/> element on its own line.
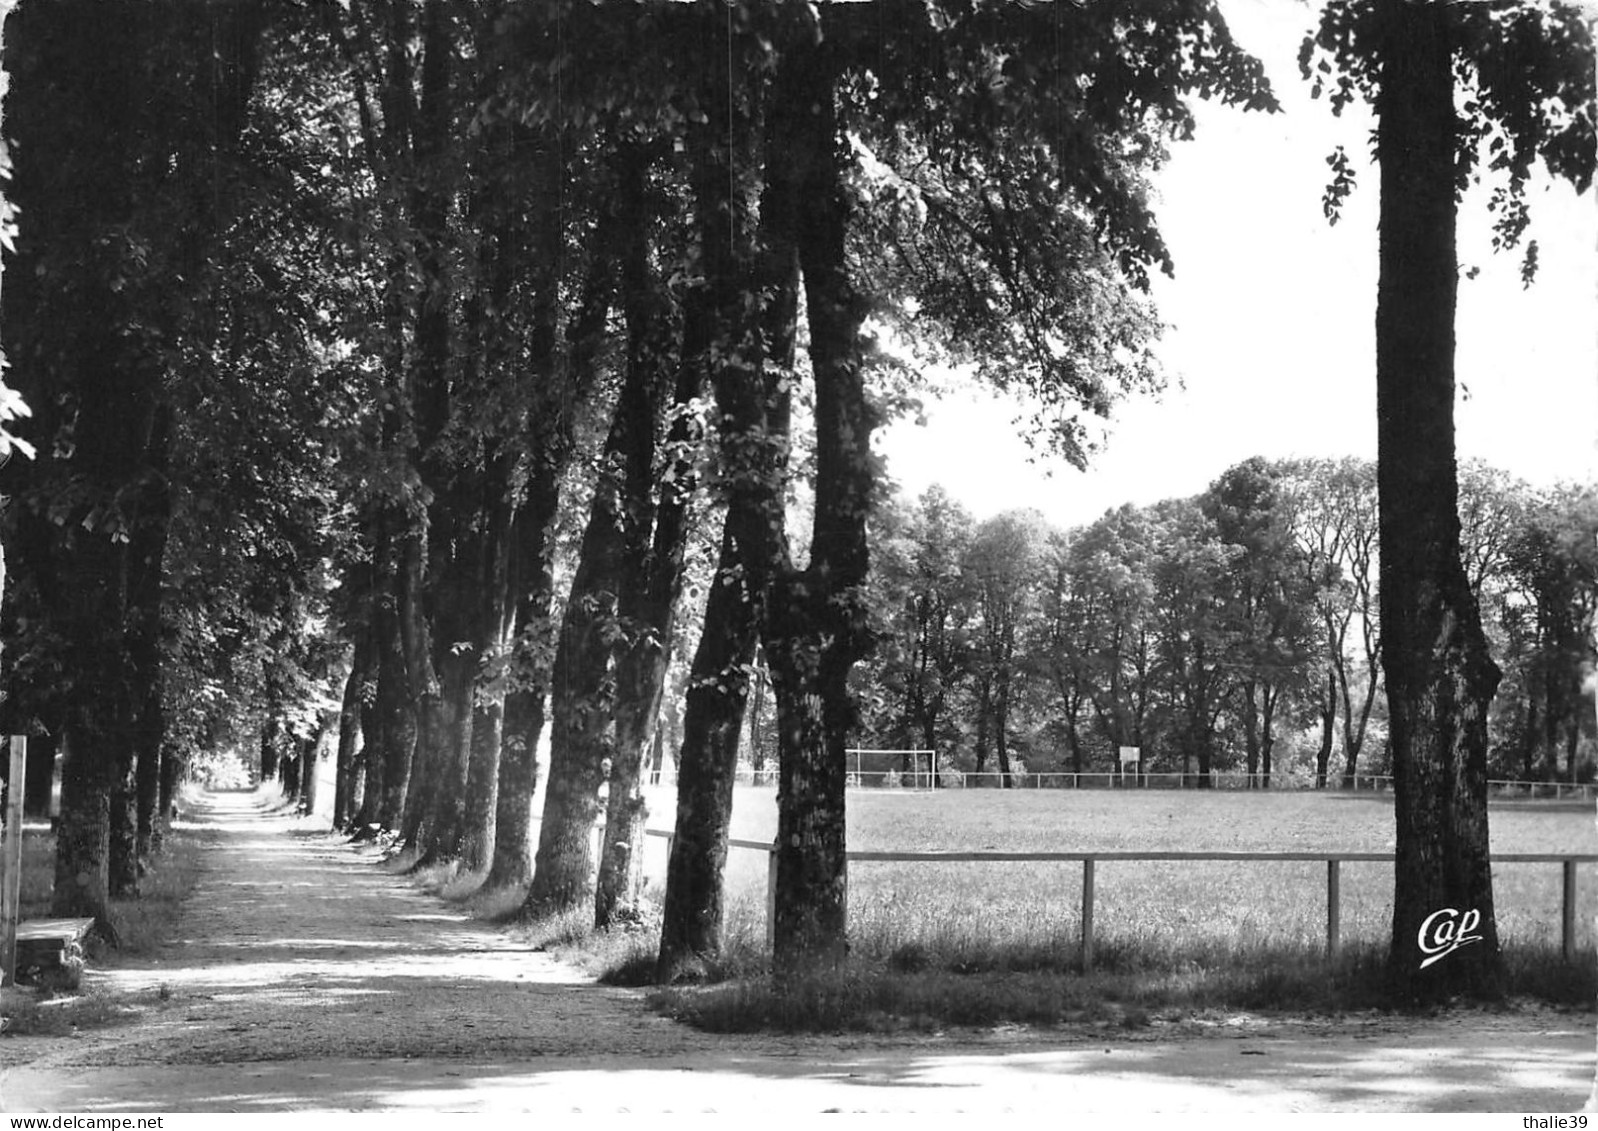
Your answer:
<point x="872" y="767"/>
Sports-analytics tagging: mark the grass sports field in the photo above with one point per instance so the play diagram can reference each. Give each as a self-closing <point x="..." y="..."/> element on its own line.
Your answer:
<point x="1148" y="913"/>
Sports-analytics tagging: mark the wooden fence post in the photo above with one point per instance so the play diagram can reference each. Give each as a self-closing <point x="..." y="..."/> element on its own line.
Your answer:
<point x="1567" y="933"/>
<point x="771" y="900"/>
<point x="1087" y="914"/>
<point x="1334" y="906"/>
<point x="11" y="861"/>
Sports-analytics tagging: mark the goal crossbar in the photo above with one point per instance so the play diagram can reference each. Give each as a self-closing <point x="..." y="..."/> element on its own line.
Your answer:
<point x="915" y="753"/>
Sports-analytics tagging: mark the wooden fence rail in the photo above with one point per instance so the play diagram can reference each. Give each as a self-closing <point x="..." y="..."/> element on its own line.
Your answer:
<point x="1333" y="860"/>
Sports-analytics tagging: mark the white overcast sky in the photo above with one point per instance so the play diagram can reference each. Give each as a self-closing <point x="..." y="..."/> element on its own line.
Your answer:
<point x="1271" y="317"/>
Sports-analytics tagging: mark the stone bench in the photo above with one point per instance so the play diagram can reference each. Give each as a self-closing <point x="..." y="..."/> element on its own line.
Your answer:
<point x="50" y="951"/>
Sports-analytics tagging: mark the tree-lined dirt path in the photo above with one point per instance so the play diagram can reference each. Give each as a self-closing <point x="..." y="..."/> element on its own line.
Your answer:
<point x="303" y="977"/>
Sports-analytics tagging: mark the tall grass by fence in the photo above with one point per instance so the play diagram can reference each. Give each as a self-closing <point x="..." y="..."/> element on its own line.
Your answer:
<point x="1089" y="860"/>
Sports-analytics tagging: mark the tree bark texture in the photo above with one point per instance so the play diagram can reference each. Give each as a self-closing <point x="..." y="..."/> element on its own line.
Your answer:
<point x="173" y="769"/>
<point x="707" y="765"/>
<point x="346" y="803"/>
<point x="147" y="551"/>
<point x="655" y="532"/>
<point x="582" y="704"/>
<point x="488" y="706"/>
<point x="458" y="528"/>
<point x="753" y="440"/>
<point x="816" y="620"/>
<point x="549" y="442"/>
<point x="148" y="800"/>
<point x="532" y="578"/>
<point x="1440" y="678"/>
<point x="1326" y="707"/>
<point x="365" y="822"/>
<point x="394" y="733"/>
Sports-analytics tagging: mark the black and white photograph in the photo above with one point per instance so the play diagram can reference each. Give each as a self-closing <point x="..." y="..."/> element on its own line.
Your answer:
<point x="783" y="557"/>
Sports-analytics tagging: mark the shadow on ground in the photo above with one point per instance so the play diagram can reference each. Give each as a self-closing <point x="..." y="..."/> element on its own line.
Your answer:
<point x="304" y="977"/>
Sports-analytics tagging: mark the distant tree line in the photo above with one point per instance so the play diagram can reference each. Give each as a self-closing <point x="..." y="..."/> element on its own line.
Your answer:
<point x="1237" y="630"/>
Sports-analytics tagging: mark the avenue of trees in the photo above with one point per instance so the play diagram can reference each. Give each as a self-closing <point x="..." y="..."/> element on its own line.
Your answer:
<point x="384" y="357"/>
<point x="1237" y="631"/>
<point x="395" y="367"/>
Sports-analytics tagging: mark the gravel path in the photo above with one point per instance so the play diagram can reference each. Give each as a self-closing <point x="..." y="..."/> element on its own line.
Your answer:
<point x="304" y="977"/>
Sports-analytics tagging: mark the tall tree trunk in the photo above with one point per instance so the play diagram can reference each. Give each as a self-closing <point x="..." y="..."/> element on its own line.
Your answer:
<point x="147" y="552"/>
<point x="289" y="767"/>
<point x="1203" y="742"/>
<point x="310" y="759"/>
<point x="269" y="750"/>
<point x="582" y="704"/>
<point x="173" y="767"/>
<point x="74" y="340"/>
<point x="395" y="719"/>
<point x="611" y="598"/>
<point x="367" y="819"/>
<point x="1328" y="712"/>
<point x="656" y="533"/>
<point x="83" y="836"/>
<point x="1528" y="745"/>
<point x="346" y="802"/>
<point x="550" y="447"/>
<point x="404" y="152"/>
<point x="438" y="832"/>
<point x="148" y="800"/>
<point x="757" y="732"/>
<point x="707" y="766"/>
<point x="984" y="721"/>
<point x="1001" y="722"/>
<point x="124" y="841"/>
<point x="505" y="168"/>
<point x="482" y="785"/>
<point x="314" y="748"/>
<point x="751" y="372"/>
<point x="816" y="621"/>
<point x="753" y="439"/>
<point x="528" y="682"/>
<point x="638" y="643"/>
<point x="580" y="709"/>
<point x="1440" y="678"/>
<point x="488" y="711"/>
<point x="454" y="645"/>
<point x="1251" y="733"/>
<point x="1267" y="735"/>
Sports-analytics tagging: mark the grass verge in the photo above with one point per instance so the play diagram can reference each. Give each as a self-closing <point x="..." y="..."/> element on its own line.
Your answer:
<point x="145" y="923"/>
<point x="913" y="991"/>
<point x="620" y="956"/>
<point x="61" y="1015"/>
<point x="953" y="975"/>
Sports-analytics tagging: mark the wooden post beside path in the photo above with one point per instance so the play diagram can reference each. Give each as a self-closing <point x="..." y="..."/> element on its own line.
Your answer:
<point x="771" y="899"/>
<point x="1087" y="914"/>
<point x="11" y="861"/>
<point x="1334" y="908"/>
<point x="1567" y="925"/>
